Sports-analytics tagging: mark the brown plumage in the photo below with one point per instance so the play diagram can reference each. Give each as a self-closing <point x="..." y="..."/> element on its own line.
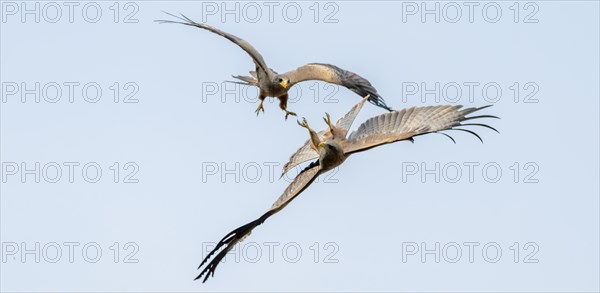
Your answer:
<point x="332" y="147"/>
<point x="272" y="84"/>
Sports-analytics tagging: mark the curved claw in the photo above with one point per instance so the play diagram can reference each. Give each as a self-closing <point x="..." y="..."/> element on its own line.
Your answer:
<point x="260" y="107"/>
<point x="304" y="123"/>
<point x="327" y="120"/>
<point x="288" y="113"/>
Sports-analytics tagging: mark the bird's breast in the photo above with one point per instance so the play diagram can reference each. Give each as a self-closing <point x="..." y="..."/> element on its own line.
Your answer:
<point x="331" y="160"/>
<point x="275" y="90"/>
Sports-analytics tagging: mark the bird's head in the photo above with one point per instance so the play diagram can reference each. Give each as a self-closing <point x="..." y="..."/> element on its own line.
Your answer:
<point x="329" y="146"/>
<point x="282" y="81"/>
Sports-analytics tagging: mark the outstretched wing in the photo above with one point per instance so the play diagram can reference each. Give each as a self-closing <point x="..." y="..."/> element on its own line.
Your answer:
<point x="333" y="74"/>
<point x="408" y="123"/>
<point x="256" y="57"/>
<point x="343" y="124"/>
<point x="300" y="183"/>
<point x="306" y="153"/>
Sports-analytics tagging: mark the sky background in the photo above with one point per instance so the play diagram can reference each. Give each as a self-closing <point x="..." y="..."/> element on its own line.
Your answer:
<point x="192" y="161"/>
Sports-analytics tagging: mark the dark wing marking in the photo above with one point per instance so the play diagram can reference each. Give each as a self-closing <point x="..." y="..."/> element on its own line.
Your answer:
<point x="333" y="74"/>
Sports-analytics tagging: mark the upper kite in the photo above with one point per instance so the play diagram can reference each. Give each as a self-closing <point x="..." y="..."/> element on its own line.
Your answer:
<point x="272" y="84"/>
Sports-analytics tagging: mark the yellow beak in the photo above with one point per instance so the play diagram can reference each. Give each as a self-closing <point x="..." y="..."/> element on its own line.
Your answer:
<point x="284" y="84"/>
<point x="322" y="144"/>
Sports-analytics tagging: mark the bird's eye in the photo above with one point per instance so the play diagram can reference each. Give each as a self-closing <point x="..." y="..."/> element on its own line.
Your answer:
<point x="280" y="80"/>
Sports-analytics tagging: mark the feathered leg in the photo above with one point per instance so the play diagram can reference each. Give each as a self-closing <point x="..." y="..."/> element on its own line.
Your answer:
<point x="283" y="105"/>
<point x="314" y="137"/>
<point x="261" y="97"/>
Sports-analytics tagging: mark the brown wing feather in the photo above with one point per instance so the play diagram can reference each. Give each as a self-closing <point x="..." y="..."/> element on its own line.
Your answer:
<point x="333" y="74"/>
<point x="303" y="154"/>
<point x="254" y="54"/>
<point x="301" y="182"/>
<point x="344" y="123"/>
<point x="408" y="123"/>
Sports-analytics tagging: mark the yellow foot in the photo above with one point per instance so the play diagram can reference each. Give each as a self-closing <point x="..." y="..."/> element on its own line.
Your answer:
<point x="304" y="123"/>
<point x="260" y="107"/>
<point x="288" y="113"/>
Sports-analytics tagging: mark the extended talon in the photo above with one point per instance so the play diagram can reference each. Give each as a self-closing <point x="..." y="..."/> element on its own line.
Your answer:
<point x="304" y="123"/>
<point x="327" y="120"/>
<point x="260" y="107"/>
<point x="288" y="113"/>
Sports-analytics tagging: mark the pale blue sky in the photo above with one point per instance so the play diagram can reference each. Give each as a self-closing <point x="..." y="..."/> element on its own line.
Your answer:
<point x="368" y="213"/>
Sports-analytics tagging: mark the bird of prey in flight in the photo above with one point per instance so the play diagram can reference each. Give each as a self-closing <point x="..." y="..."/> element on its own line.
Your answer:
<point x="273" y="84"/>
<point x="332" y="147"/>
